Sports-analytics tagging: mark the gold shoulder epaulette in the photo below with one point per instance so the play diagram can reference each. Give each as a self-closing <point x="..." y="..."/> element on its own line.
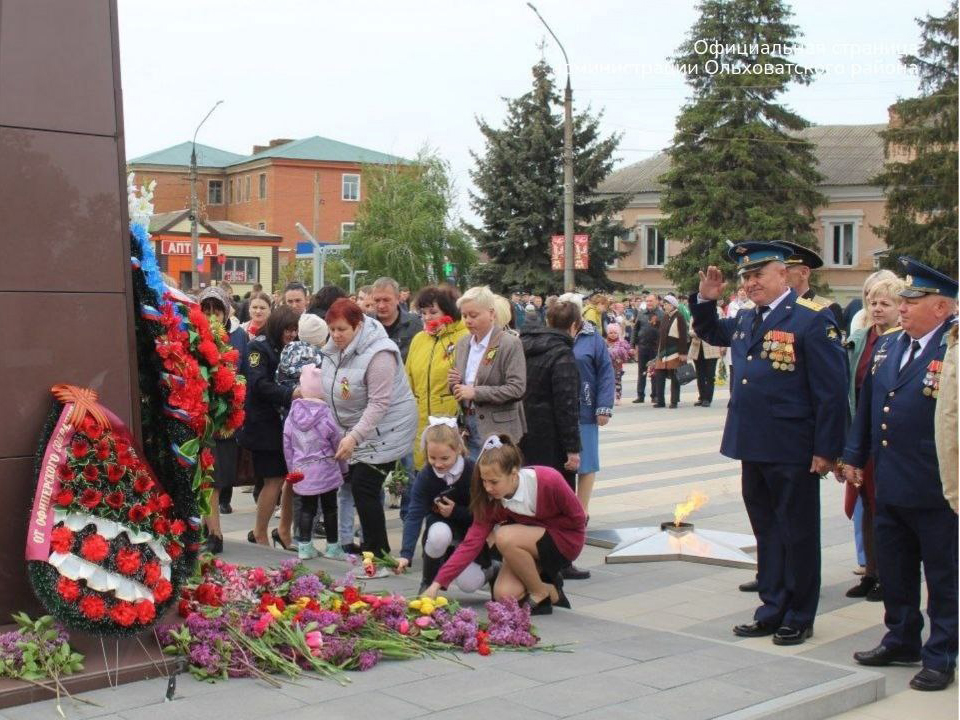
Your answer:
<point x="809" y="304"/>
<point x="892" y="330"/>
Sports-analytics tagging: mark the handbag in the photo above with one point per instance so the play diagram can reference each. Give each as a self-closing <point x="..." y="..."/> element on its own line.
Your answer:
<point x="686" y="373"/>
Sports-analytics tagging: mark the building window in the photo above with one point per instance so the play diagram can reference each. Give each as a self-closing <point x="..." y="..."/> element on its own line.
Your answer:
<point x="351" y="187"/>
<point x="241" y="270"/>
<point x="263" y="186"/>
<point x="229" y="191"/>
<point x="215" y="192"/>
<point x="656" y="246"/>
<point x="346" y="229"/>
<point x="261" y="226"/>
<point x="246" y="189"/>
<point x="841" y="244"/>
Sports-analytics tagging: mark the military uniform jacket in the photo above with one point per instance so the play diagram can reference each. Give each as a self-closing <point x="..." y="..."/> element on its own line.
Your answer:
<point x="781" y="415"/>
<point x="894" y="423"/>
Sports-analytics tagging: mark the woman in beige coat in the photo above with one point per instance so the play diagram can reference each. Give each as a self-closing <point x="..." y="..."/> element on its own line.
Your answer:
<point x="489" y="377"/>
<point x="704" y="356"/>
<point x="945" y="420"/>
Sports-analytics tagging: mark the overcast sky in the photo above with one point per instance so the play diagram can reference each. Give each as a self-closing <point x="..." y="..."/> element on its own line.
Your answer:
<point x="392" y="76"/>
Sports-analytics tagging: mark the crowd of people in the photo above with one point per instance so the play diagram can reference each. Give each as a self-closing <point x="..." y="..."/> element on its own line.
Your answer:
<point x="492" y="407"/>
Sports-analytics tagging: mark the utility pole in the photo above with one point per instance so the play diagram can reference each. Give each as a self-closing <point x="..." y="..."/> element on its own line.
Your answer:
<point x="568" y="260"/>
<point x="352" y="274"/>
<point x="196" y="256"/>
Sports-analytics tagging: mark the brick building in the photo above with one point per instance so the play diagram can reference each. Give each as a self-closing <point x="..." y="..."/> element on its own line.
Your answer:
<point x="848" y="156"/>
<point x="314" y="181"/>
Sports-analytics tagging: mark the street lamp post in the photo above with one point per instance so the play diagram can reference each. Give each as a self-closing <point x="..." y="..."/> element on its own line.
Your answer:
<point x="568" y="277"/>
<point x="194" y="232"/>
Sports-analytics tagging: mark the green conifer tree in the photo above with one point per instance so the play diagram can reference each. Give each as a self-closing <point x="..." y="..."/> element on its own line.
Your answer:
<point x="738" y="171"/>
<point x="920" y="177"/>
<point x="519" y="193"/>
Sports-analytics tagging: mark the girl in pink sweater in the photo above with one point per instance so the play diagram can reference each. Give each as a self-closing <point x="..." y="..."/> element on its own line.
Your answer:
<point x="532" y="517"/>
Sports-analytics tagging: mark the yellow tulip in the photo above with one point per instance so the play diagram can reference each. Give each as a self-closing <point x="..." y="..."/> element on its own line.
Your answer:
<point x="337" y="603"/>
<point x="272" y="609"/>
<point x="414" y="604"/>
<point x="367" y="555"/>
<point x="358" y="605"/>
<point x="441" y="601"/>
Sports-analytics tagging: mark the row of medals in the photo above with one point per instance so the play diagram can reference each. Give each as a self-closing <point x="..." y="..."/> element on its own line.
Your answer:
<point x="781" y="353"/>
<point x="931" y="381"/>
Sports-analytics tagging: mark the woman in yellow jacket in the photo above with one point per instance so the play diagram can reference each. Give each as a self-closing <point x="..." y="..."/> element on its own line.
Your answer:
<point x="430" y="358"/>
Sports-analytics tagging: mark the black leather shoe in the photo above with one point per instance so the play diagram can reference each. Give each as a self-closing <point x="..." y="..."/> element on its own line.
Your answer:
<point x="214" y="544"/>
<point x="754" y="629"/>
<point x="705" y="404"/>
<point x="751" y="586"/>
<point x="544" y="607"/>
<point x="928" y="679"/>
<point x="881" y="656"/>
<point x="562" y="600"/>
<point x="876" y="593"/>
<point x="659" y="405"/>
<point x="862" y="588"/>
<point x="786" y="635"/>
<point x="226" y="509"/>
<point x="638" y="401"/>
<point x="572" y="572"/>
<point x="697" y="403"/>
<point x="673" y="406"/>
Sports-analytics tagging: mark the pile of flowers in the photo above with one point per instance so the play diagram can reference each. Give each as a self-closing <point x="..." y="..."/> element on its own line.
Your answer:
<point x="256" y="622"/>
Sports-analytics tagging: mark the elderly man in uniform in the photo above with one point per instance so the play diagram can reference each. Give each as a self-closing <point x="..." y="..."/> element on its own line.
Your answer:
<point x="914" y="523"/>
<point x="800" y="264"/>
<point x="785" y="424"/>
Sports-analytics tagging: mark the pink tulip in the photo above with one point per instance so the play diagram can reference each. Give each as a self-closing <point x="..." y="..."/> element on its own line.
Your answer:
<point x="314" y="639"/>
<point x="404" y="627"/>
<point x="423" y="621"/>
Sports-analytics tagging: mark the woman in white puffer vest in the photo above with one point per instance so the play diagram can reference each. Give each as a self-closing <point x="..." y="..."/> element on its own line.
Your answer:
<point x="367" y="390"/>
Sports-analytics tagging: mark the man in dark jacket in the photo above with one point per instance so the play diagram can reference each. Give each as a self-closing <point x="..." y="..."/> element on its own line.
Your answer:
<point x="646" y="334"/>
<point x="552" y="401"/>
<point x="400" y="325"/>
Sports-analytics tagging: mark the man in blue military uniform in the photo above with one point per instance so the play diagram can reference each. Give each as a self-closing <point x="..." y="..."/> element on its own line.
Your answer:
<point x="785" y="423"/>
<point x="914" y="523"/>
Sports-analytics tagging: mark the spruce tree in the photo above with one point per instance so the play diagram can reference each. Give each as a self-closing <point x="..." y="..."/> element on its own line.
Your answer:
<point x="519" y="193"/>
<point x="737" y="173"/>
<point x="920" y="177"/>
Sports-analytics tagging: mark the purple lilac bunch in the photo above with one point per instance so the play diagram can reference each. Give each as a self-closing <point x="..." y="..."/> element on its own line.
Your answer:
<point x="459" y="629"/>
<point x="306" y="586"/>
<point x="391" y="613"/>
<point x="367" y="659"/>
<point x="509" y="624"/>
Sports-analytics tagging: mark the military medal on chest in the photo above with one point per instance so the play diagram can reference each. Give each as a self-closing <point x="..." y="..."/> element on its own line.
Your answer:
<point x="778" y="346"/>
<point x="931" y="380"/>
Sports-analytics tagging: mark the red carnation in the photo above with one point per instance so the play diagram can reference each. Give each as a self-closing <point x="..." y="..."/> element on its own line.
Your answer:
<point x="162" y="590"/>
<point x="92" y="428"/>
<point x="91" y="474"/>
<point x="102" y="450"/>
<point x="184" y="608"/>
<point x="68" y="589"/>
<point x="114" y="474"/>
<point x="351" y="595"/>
<point x="223" y="380"/>
<point x="151" y="573"/>
<point x="208" y="349"/>
<point x="121" y="446"/>
<point x="79" y="448"/>
<point x="143" y="483"/>
<point x="65" y="473"/>
<point x="206" y="459"/>
<point x="115" y="499"/>
<point x="126" y="458"/>
<point x="231" y="356"/>
<point x="61" y="539"/>
<point x="95" y="548"/>
<point x="165" y="501"/>
<point x="64" y="497"/>
<point x="92" y="607"/>
<point x="178" y="527"/>
<point x="146" y="611"/>
<point x="128" y="560"/>
<point x="239" y="393"/>
<point x="208" y="594"/>
<point x="161" y="526"/>
<point x="90" y="498"/>
<point x="174" y="550"/>
<point x="235" y="421"/>
<point x="138" y="513"/>
<point x="294" y="477"/>
<point x="123" y="614"/>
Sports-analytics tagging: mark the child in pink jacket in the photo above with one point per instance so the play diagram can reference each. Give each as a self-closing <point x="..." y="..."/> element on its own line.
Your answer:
<point x="310" y="440"/>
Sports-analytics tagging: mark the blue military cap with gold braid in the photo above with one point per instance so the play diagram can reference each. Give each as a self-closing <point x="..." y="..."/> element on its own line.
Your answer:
<point x="751" y="255"/>
<point x="924" y="280"/>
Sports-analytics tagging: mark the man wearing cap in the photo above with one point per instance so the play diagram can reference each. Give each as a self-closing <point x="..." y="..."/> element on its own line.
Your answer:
<point x="914" y="523"/>
<point x="785" y="423"/>
<point x="799" y="266"/>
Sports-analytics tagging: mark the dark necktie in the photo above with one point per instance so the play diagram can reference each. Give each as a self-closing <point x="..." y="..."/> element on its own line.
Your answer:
<point x="914" y="350"/>
<point x="758" y="318"/>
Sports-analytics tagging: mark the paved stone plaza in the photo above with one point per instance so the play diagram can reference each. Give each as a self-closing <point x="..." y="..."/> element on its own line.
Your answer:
<point x="651" y="641"/>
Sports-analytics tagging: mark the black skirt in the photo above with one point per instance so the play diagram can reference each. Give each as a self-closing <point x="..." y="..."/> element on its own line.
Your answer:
<point x="226" y="455"/>
<point x="269" y="464"/>
<point x="550" y="560"/>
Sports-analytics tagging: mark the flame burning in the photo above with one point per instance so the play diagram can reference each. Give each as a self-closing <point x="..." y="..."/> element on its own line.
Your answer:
<point x="694" y="501"/>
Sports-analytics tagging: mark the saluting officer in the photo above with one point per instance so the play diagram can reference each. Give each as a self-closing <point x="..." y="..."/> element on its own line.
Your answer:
<point x="914" y="523"/>
<point x="801" y="262"/>
<point x="785" y="423"/>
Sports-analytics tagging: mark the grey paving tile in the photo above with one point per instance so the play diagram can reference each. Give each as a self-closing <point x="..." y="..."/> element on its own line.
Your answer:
<point x="484" y="709"/>
<point x="676" y="670"/>
<point x="465" y="688"/>
<point x="655" y="644"/>
<point x="245" y="699"/>
<point x="630" y="710"/>
<point x="578" y="695"/>
<point x="784" y="675"/>
<point x="705" y="699"/>
<point x="552" y="667"/>
<point x="372" y="705"/>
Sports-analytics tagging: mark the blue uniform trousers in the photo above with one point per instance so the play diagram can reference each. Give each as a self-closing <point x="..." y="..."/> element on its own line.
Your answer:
<point x="905" y="538"/>
<point x="783" y="503"/>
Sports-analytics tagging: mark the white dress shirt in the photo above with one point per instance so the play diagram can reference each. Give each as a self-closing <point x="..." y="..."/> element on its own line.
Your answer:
<point x="477" y="351"/>
<point x="524" y="500"/>
<point x="923" y="344"/>
<point x="773" y="305"/>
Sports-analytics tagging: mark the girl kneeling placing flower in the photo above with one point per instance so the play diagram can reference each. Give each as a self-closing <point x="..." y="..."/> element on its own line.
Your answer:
<point x="532" y="517"/>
